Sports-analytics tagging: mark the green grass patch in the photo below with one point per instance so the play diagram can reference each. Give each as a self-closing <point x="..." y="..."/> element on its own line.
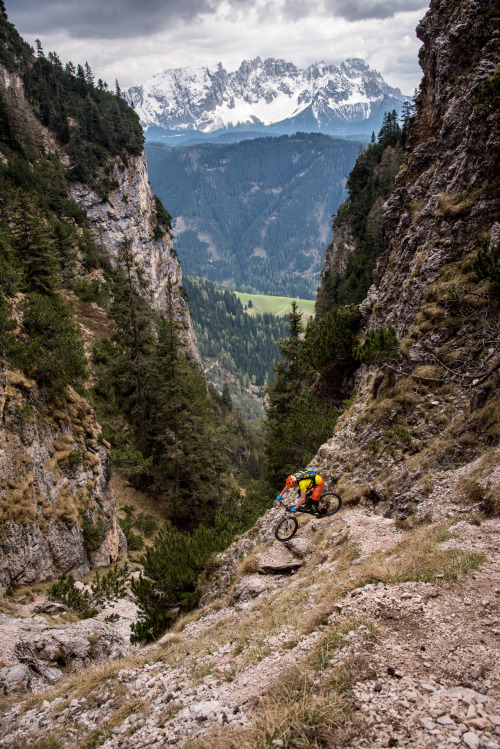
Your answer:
<point x="276" y="305"/>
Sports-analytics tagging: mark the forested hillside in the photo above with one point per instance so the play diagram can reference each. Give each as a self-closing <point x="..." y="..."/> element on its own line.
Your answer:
<point x="238" y="350"/>
<point x="317" y="375"/>
<point x="255" y="215"/>
<point x="358" y="228"/>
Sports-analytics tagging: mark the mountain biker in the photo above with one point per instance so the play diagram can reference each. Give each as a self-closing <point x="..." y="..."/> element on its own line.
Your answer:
<point x="306" y="480"/>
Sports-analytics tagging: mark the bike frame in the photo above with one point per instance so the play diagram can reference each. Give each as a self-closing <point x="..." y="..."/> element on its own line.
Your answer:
<point x="306" y="507"/>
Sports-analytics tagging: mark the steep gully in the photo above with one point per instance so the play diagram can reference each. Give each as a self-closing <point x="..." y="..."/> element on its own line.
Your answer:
<point x="422" y="655"/>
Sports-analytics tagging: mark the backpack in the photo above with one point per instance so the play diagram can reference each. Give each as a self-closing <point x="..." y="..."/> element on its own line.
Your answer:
<point x="311" y="475"/>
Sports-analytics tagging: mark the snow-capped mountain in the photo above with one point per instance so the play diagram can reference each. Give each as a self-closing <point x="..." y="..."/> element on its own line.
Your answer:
<point x="270" y="94"/>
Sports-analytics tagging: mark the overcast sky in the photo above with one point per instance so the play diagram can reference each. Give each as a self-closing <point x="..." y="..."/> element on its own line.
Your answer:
<point x="132" y="39"/>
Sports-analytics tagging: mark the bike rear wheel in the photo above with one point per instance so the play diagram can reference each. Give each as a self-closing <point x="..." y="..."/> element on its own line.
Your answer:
<point x="286" y="528"/>
<point x="332" y="502"/>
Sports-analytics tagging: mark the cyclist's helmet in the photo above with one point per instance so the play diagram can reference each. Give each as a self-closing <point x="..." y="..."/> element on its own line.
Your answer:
<point x="291" y="481"/>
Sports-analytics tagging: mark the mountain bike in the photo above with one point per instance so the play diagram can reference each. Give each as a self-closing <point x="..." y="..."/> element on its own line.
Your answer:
<point x="287" y="525"/>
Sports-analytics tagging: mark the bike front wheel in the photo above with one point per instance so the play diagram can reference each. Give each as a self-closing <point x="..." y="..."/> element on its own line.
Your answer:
<point x="286" y="528"/>
<point x="332" y="502"/>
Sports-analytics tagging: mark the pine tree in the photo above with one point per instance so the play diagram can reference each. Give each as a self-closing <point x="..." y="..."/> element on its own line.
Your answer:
<point x="226" y="397"/>
<point x="184" y="460"/>
<point x="89" y="76"/>
<point x="297" y="421"/>
<point x="133" y="369"/>
<point x="172" y="566"/>
<point x="283" y="393"/>
<point x="7" y="325"/>
<point x="33" y="245"/>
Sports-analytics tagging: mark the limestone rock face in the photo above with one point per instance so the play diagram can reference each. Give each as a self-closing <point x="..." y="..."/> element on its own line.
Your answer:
<point x="435" y="407"/>
<point x="129" y="213"/>
<point x="448" y="190"/>
<point x="54" y="487"/>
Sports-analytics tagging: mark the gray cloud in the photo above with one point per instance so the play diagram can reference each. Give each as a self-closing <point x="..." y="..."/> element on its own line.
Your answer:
<point x="133" y="39"/>
<point x="362" y="10"/>
<point x="351" y="10"/>
<point x="124" y="19"/>
<point x="102" y="19"/>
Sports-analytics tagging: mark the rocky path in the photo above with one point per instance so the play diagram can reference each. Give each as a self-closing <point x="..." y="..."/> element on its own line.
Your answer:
<point x="423" y="656"/>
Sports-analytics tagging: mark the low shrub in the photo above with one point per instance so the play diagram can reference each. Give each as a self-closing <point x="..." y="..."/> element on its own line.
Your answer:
<point x="94" y="533"/>
<point x="92" y="291"/>
<point x="65" y="591"/>
<point x="487" y="265"/>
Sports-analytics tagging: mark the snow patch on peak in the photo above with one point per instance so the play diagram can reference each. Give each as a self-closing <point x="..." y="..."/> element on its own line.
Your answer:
<point x="260" y="91"/>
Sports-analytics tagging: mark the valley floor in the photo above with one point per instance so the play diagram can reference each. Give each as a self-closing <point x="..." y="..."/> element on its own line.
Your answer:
<point x="361" y="634"/>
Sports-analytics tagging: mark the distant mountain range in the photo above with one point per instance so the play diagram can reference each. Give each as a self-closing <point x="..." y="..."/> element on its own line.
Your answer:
<point x="263" y="96"/>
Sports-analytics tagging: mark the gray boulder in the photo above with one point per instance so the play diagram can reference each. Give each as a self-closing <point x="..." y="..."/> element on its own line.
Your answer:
<point x="88" y="641"/>
<point x="50" y="607"/>
<point x="252" y="586"/>
<point x="15" y="678"/>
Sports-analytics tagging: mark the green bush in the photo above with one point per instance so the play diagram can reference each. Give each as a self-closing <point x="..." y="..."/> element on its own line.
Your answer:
<point x="487" y="265"/>
<point x="134" y="540"/>
<point x="332" y="338"/>
<point x="147" y="524"/>
<point x="75" y="457"/>
<point x="93" y="533"/>
<point x="53" y="352"/>
<point x="111" y="585"/>
<point x="379" y="345"/>
<point x="127" y="524"/>
<point x="92" y="291"/>
<point x="172" y="567"/>
<point x="64" y="591"/>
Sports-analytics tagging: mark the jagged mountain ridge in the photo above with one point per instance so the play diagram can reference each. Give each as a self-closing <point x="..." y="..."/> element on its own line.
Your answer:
<point x="266" y="94"/>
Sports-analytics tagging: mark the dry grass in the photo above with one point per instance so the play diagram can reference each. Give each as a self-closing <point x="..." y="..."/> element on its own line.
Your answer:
<point x="143" y="503"/>
<point x="46" y="742"/>
<point x="81" y="684"/>
<point x="456" y="204"/>
<point x="98" y="736"/>
<point x="471" y="490"/>
<point x="486" y="420"/>
<point x="415" y="209"/>
<point x="303" y="712"/>
<point x="491" y="503"/>
<point x="420" y="558"/>
<point x="428" y="372"/>
<point x="350" y="492"/>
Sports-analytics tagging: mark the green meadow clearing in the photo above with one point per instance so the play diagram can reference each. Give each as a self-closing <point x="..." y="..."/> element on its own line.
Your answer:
<point x="276" y="305"/>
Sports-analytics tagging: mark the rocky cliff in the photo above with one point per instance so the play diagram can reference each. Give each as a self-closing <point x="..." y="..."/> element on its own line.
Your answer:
<point x="129" y="213"/>
<point x="435" y="406"/>
<point x="57" y="507"/>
